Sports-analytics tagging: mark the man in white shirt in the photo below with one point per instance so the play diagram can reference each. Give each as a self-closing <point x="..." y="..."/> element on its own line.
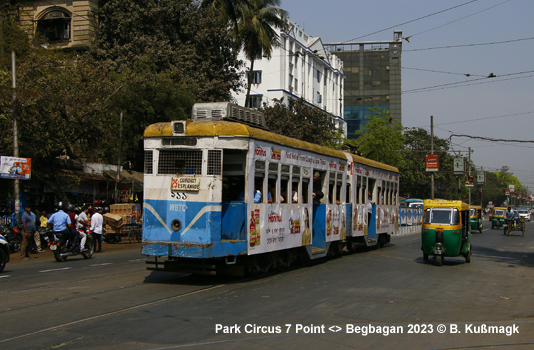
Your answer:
<point x="82" y="222"/>
<point x="97" y="224"/>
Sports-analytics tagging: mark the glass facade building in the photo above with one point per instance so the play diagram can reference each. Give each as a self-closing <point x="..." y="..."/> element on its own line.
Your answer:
<point x="372" y="79"/>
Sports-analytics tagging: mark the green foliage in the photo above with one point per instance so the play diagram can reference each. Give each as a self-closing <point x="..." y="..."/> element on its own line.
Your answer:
<point x="415" y="181"/>
<point x="302" y="122"/>
<point x="61" y="103"/>
<point x="253" y="24"/>
<point x="380" y="140"/>
<point x="173" y="37"/>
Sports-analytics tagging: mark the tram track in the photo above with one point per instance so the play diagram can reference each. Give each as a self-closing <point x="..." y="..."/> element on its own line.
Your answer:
<point x="109" y="314"/>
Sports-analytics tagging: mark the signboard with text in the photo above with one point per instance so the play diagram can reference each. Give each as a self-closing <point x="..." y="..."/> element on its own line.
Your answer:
<point x="432" y="163"/>
<point x="459" y="166"/>
<point x="15" y="168"/>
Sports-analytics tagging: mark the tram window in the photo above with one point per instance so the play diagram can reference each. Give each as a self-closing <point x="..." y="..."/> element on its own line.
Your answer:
<point x="180" y="162"/>
<point x="284" y="190"/>
<point x="296" y="171"/>
<point x="272" y="194"/>
<point x="259" y="165"/>
<point x="348" y="193"/>
<point x="258" y="188"/>
<point x="339" y="183"/>
<point x="305" y="190"/>
<point x="358" y="190"/>
<point x="214" y="162"/>
<point x="380" y="195"/>
<point x="149" y="158"/>
<point x="332" y="188"/>
<point x="295" y="191"/>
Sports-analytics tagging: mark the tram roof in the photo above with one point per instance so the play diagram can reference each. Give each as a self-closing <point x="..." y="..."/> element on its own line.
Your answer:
<point x="227" y="128"/>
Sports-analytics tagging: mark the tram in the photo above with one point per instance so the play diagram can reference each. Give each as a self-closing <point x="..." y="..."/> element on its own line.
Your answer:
<point x="222" y="195"/>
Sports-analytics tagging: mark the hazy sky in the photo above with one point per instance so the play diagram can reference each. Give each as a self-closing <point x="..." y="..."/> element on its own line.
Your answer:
<point x="449" y="40"/>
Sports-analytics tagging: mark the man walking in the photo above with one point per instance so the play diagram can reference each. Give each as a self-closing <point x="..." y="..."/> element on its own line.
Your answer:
<point x="28" y="230"/>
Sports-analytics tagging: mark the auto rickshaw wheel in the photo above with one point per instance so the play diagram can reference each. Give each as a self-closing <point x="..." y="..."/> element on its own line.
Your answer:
<point x="439" y="260"/>
<point x="468" y="256"/>
<point x="425" y="257"/>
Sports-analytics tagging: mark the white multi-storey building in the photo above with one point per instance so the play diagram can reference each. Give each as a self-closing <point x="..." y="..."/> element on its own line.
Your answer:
<point x="299" y="68"/>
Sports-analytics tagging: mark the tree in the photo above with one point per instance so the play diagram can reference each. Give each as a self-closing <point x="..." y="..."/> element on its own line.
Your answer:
<point x="175" y="37"/>
<point x="302" y="122"/>
<point x="166" y="55"/>
<point x="380" y="140"/>
<point x="415" y="181"/>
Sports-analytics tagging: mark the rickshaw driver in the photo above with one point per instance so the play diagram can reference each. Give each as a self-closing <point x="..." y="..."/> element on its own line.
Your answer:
<point x="509" y="216"/>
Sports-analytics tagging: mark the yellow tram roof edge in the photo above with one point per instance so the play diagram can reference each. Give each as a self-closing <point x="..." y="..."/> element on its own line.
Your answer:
<point x="440" y="203"/>
<point x="228" y="128"/>
<point x="476" y="206"/>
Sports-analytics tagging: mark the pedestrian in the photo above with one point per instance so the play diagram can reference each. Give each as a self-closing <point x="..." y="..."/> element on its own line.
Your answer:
<point x="97" y="223"/>
<point x="44" y="220"/>
<point x="28" y="230"/>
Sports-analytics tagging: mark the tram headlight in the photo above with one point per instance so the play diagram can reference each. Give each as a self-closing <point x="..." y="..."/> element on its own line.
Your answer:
<point x="176" y="225"/>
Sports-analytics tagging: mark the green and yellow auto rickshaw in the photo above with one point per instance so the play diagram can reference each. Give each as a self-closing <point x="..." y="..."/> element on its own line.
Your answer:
<point x="476" y="218"/>
<point x="498" y="217"/>
<point x="446" y="230"/>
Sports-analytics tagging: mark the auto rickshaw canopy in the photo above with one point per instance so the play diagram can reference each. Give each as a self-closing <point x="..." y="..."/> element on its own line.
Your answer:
<point x="441" y="203"/>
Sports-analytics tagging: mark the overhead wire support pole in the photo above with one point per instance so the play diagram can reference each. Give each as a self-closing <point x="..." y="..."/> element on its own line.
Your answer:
<point x="432" y="151"/>
<point x="16" y="187"/>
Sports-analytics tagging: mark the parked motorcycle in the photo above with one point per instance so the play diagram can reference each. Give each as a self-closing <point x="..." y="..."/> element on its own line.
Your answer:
<point x="13" y="236"/>
<point x="62" y="246"/>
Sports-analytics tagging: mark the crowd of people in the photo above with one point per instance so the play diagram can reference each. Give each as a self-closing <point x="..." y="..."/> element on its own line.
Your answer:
<point x="68" y="220"/>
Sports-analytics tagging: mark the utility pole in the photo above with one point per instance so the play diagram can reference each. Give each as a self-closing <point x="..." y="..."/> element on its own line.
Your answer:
<point x="15" y="137"/>
<point x="118" y="161"/>
<point x="469" y="176"/>
<point x="432" y="150"/>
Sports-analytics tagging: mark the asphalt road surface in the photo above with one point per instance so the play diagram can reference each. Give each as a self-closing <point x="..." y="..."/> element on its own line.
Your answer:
<point x="373" y="299"/>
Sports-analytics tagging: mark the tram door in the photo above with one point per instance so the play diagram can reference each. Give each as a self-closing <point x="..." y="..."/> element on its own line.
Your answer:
<point x="371" y="230"/>
<point x="233" y="211"/>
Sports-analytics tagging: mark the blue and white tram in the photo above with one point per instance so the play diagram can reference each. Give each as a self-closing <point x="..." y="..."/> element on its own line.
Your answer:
<point x="222" y="196"/>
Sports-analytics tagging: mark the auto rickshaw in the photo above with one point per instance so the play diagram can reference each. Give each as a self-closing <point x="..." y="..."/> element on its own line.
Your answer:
<point x="476" y="218"/>
<point x="446" y="230"/>
<point x="498" y="220"/>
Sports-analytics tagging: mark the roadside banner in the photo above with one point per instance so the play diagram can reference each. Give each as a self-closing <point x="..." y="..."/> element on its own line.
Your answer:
<point x="15" y="168"/>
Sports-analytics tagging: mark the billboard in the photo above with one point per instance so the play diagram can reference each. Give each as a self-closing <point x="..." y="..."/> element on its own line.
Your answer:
<point x="15" y="168"/>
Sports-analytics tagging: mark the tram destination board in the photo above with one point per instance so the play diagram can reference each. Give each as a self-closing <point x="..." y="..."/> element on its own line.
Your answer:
<point x="185" y="184"/>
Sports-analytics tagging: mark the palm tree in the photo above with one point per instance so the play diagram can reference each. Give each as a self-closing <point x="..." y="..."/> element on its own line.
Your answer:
<point x="256" y="32"/>
<point x="253" y="24"/>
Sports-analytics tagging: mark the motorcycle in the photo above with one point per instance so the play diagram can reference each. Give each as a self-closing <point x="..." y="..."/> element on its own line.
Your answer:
<point x="13" y="236"/>
<point x="62" y="245"/>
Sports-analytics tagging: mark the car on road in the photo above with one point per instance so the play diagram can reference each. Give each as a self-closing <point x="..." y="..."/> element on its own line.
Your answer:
<point x="524" y="213"/>
<point x="4" y="253"/>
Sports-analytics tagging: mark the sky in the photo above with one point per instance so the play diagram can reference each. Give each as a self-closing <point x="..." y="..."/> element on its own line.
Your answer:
<point x="453" y="48"/>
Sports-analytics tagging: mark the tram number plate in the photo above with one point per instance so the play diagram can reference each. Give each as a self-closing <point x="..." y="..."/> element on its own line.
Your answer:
<point x="185" y="184"/>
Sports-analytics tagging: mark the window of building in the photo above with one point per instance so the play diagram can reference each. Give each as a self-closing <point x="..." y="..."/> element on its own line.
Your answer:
<point x="255" y="77"/>
<point x="54" y="26"/>
<point x="319" y="99"/>
<point x="255" y="101"/>
<point x="318" y="77"/>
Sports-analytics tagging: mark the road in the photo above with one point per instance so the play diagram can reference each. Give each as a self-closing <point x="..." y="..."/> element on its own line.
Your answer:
<point x="112" y="302"/>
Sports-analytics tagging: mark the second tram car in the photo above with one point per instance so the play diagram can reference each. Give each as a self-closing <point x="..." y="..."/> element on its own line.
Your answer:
<point x="223" y="195"/>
